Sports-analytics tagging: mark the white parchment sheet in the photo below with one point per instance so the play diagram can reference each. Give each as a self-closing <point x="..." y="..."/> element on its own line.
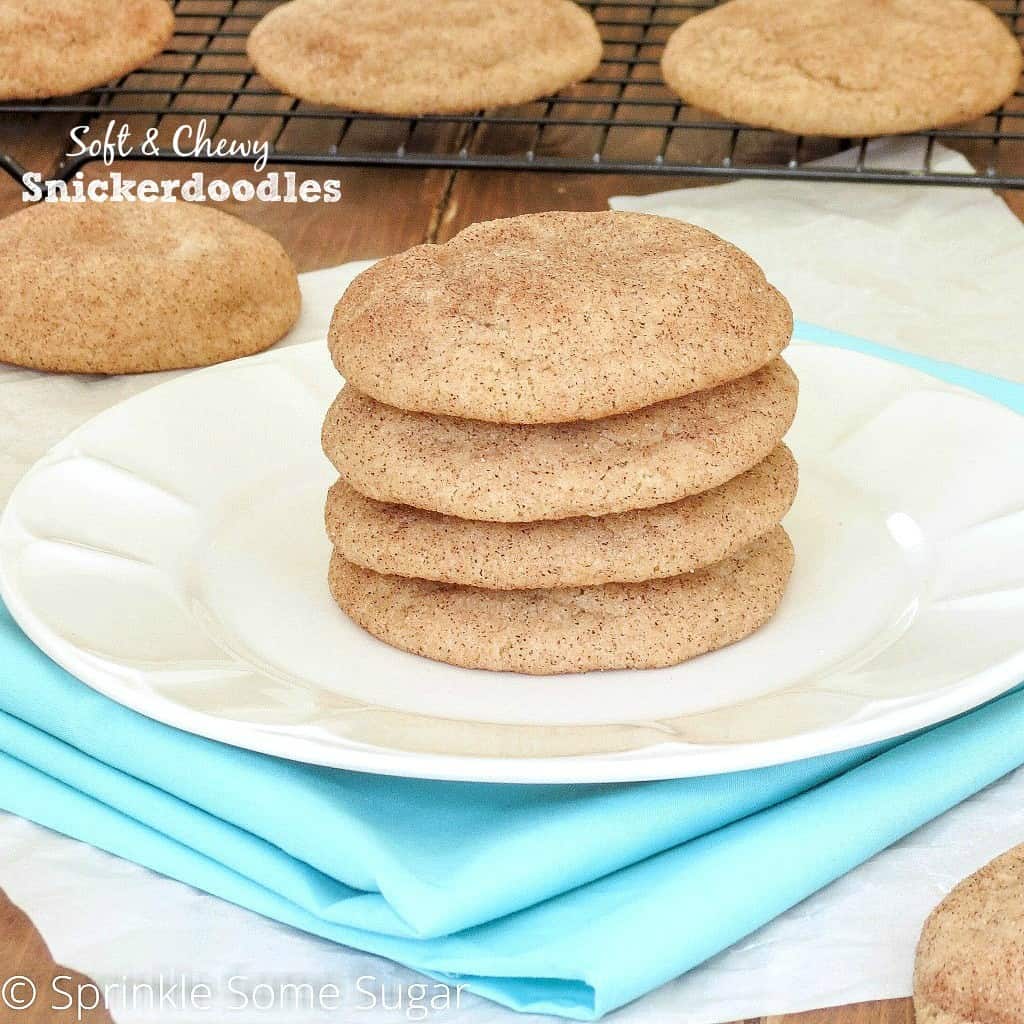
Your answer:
<point x="935" y="271"/>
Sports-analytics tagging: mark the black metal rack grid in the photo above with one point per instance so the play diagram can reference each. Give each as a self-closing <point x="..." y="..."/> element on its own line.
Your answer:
<point x="622" y="120"/>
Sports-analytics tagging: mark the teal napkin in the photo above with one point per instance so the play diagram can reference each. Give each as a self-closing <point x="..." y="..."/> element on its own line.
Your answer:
<point x="569" y="900"/>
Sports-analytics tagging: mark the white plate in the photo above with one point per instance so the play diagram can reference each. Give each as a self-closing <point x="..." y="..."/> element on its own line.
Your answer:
<point x="171" y="554"/>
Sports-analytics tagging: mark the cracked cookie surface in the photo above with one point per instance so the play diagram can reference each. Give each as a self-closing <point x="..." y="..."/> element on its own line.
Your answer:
<point x="557" y="316"/>
<point x="57" y="49"/>
<point x="845" y="67"/>
<point x="521" y="473"/>
<point x="411" y="57"/>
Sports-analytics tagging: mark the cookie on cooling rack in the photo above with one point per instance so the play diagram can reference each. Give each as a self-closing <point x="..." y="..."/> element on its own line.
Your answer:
<point x="629" y="547"/>
<point x="575" y="629"/>
<point x="970" y="960"/>
<point x="410" y="57"/>
<point x="56" y="49"/>
<point x="521" y="473"/>
<point x="844" y="67"/>
<point x="554" y="317"/>
<point x="133" y="287"/>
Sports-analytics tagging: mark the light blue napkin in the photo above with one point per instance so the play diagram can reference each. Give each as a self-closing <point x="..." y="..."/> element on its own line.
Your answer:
<point x="558" y="899"/>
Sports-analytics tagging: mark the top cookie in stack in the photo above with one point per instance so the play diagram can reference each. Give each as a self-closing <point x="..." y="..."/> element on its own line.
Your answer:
<point x="559" y="445"/>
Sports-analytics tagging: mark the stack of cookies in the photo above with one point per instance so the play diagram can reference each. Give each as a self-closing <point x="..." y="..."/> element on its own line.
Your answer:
<point x="559" y="445"/>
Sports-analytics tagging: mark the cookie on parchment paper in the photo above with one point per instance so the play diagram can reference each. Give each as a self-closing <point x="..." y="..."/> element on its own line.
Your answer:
<point x="555" y="317"/>
<point x="970" y="959"/>
<point x="521" y="473"/>
<point x="57" y="49"/>
<point x="654" y="543"/>
<point x="845" y="67"/>
<point x="134" y="287"/>
<point x="413" y="57"/>
<point x="574" y="629"/>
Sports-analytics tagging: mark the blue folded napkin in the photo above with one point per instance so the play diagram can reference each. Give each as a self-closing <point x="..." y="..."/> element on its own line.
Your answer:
<point x="568" y="900"/>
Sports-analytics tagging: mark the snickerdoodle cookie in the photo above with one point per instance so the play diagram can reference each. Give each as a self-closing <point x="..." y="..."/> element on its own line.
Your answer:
<point x="970" y="960"/>
<point x="646" y="544"/>
<point x="845" y="67"/>
<point x="555" y="317"/>
<point x="411" y="57"/>
<point x="133" y="287"/>
<point x="572" y="629"/>
<point x="519" y="473"/>
<point x="56" y="49"/>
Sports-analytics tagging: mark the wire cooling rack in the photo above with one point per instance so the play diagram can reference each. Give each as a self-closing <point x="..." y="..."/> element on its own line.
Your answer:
<point x="622" y="120"/>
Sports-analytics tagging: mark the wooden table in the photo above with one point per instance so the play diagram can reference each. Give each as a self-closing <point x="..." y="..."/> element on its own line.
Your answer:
<point x="421" y="205"/>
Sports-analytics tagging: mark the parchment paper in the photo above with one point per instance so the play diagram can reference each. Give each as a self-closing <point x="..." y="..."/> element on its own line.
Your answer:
<point x="934" y="270"/>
